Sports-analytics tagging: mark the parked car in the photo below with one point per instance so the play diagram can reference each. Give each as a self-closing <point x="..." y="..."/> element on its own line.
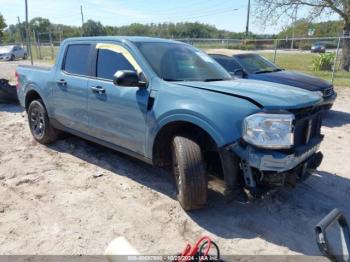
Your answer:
<point x="170" y="104"/>
<point x="254" y="66"/>
<point x="318" y="48"/>
<point x="12" y="52"/>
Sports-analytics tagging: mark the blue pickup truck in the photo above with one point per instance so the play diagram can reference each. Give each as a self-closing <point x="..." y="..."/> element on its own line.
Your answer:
<point x="171" y="105"/>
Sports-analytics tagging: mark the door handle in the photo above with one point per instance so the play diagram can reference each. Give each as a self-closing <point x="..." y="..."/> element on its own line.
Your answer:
<point x="98" y="90"/>
<point x="62" y="82"/>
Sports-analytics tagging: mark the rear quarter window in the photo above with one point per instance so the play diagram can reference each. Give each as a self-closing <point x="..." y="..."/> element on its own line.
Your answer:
<point x="76" y="59"/>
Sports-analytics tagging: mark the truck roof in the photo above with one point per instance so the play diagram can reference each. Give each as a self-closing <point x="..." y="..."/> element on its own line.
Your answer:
<point x="121" y="38"/>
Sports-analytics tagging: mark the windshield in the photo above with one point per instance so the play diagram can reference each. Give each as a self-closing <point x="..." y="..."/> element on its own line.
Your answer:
<point x="180" y="62"/>
<point x="253" y="63"/>
<point x="5" y="49"/>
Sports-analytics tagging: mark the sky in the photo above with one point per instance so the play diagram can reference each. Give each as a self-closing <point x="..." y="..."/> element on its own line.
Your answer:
<point x="224" y="14"/>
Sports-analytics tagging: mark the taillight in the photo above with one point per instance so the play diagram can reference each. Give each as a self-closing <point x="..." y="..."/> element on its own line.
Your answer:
<point x="17" y="80"/>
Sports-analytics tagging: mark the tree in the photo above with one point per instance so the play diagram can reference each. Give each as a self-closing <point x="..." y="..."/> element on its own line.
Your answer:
<point x="2" y="25"/>
<point x="93" y="28"/>
<point x="40" y="25"/>
<point x="272" y="10"/>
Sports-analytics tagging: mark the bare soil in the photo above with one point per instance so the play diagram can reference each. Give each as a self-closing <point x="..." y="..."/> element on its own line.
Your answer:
<point x="74" y="197"/>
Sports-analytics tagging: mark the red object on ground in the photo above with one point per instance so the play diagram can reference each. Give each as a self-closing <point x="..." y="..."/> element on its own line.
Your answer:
<point x="190" y="252"/>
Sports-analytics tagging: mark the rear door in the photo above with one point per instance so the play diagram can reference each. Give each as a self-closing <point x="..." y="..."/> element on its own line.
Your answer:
<point x="70" y="88"/>
<point x="117" y="114"/>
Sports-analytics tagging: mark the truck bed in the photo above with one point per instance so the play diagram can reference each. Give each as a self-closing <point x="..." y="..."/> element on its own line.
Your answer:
<point x="35" y="76"/>
<point x="42" y="68"/>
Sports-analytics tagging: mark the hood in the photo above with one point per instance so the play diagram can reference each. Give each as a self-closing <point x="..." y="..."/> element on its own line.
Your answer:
<point x="291" y="78"/>
<point x="267" y="95"/>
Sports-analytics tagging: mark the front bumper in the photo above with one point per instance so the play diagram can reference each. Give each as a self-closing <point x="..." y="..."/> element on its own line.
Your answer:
<point x="329" y="101"/>
<point x="5" y="58"/>
<point x="258" y="165"/>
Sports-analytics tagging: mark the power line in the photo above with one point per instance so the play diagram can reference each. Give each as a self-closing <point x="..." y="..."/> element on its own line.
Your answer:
<point x="216" y="12"/>
<point x="167" y="17"/>
<point x="173" y="14"/>
<point x="199" y="11"/>
<point x="179" y="9"/>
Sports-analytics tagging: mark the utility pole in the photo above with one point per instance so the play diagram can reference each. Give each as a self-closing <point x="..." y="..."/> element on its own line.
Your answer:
<point x="20" y="30"/>
<point x="82" y="20"/>
<point x="293" y="30"/>
<point x="248" y="15"/>
<point x="28" y="34"/>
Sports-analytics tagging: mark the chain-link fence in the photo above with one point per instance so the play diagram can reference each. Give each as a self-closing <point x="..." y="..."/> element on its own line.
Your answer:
<point x="46" y="45"/>
<point x="43" y="46"/>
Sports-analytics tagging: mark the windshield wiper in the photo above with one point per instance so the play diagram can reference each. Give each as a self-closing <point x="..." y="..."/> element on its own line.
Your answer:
<point x="205" y="80"/>
<point x="268" y="71"/>
<point x="172" y="80"/>
<point x="214" y="79"/>
<point x="263" y="71"/>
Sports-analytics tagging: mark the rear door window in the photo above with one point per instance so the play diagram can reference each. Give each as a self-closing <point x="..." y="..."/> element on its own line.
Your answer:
<point x="77" y="59"/>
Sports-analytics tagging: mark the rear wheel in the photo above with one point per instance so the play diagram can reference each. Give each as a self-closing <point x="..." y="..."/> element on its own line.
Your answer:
<point x="39" y="123"/>
<point x="189" y="171"/>
<point x="24" y="56"/>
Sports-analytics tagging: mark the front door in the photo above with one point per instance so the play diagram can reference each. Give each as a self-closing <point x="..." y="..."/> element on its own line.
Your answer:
<point x="117" y="114"/>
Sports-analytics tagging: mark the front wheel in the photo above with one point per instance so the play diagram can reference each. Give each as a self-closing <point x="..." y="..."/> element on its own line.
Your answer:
<point x="189" y="171"/>
<point x="39" y="123"/>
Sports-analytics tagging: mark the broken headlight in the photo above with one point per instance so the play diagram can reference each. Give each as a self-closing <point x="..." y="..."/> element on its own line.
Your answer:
<point x="269" y="130"/>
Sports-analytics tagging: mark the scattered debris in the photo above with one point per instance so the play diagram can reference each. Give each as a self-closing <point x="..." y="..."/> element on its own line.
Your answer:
<point x="98" y="174"/>
<point x="8" y="92"/>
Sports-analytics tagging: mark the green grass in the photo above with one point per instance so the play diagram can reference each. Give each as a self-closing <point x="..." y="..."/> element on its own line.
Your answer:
<point x="45" y="51"/>
<point x="303" y="62"/>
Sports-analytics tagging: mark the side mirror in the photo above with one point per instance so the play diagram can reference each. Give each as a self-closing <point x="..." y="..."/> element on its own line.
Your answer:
<point x="333" y="236"/>
<point x="239" y="73"/>
<point x="127" y="78"/>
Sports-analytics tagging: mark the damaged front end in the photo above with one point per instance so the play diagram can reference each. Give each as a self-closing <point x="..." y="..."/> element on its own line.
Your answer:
<point x="274" y="168"/>
<point x="270" y="166"/>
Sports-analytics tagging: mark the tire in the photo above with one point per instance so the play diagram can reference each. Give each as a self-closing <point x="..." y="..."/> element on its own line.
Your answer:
<point x="25" y="57"/>
<point x="12" y="58"/>
<point x="39" y="123"/>
<point x="189" y="173"/>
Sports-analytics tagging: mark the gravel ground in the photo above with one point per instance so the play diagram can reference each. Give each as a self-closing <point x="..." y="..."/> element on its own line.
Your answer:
<point x="74" y="197"/>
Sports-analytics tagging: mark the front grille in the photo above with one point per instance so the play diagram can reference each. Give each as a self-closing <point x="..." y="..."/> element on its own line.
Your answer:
<point x="307" y="125"/>
<point x="328" y="92"/>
